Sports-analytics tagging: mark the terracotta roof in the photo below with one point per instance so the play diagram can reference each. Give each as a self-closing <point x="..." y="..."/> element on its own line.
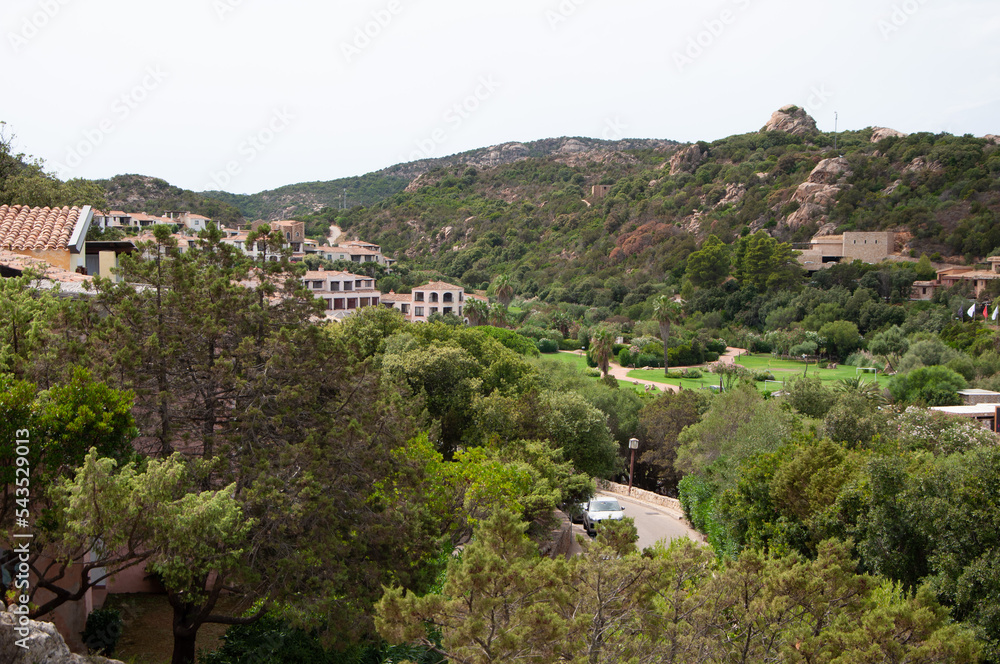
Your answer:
<point x="439" y="285"/>
<point x="24" y="228"/>
<point x="21" y="262"/>
<point x="396" y="297"/>
<point x="322" y="274"/>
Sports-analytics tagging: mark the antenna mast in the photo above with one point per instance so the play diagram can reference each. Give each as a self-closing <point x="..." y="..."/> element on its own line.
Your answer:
<point x="836" y="122"/>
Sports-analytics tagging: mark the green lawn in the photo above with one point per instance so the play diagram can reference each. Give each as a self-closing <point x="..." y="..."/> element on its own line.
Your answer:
<point x="580" y="362"/>
<point x="781" y="369"/>
<point x="706" y="381"/>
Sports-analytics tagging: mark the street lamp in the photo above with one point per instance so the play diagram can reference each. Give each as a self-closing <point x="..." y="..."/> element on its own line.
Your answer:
<point x="633" y="445"/>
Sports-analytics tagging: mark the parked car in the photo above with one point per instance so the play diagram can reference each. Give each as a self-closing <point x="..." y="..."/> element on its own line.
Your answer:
<point x="601" y="509"/>
<point x="575" y="511"/>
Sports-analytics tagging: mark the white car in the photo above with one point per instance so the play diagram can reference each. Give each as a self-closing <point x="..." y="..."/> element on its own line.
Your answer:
<point x="601" y="509"/>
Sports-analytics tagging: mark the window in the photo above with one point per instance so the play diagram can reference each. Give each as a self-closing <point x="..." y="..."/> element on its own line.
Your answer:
<point x="317" y="285"/>
<point x="434" y="297"/>
<point x="348" y="285"/>
<point x="434" y="310"/>
<point x="405" y="308"/>
<point x="418" y="311"/>
<point x="447" y="310"/>
<point x="418" y="297"/>
<point x="448" y="297"/>
<point x="335" y="286"/>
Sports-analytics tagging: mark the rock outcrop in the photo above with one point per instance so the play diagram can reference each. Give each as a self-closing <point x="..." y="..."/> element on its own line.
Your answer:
<point x="818" y="194"/>
<point x="992" y="138"/>
<point x="45" y="644"/>
<point x="792" y="120"/>
<point x="882" y="133"/>
<point x="687" y="160"/>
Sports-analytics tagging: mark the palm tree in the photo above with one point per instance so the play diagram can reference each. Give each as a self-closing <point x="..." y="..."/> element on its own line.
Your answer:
<point x="477" y="311"/>
<point x="666" y="312"/>
<point x="498" y="315"/>
<point x="561" y="321"/>
<point x="601" y="346"/>
<point x="503" y="288"/>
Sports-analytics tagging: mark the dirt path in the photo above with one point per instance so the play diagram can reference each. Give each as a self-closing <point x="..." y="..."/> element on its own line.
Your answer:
<point x="621" y="373"/>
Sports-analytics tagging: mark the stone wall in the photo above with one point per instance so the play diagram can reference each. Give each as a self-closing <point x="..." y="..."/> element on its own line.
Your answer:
<point x="869" y="247"/>
<point x="641" y="494"/>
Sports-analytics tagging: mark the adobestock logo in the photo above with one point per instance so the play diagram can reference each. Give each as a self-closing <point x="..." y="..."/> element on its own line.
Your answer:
<point x="251" y="148"/>
<point x="365" y="35"/>
<point x="898" y="17"/>
<point x="703" y="40"/>
<point x="33" y="25"/>
<point x="122" y="108"/>
<point x="454" y="117"/>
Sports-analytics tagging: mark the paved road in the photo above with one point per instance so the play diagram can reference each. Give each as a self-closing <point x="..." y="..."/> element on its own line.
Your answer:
<point x="621" y="373"/>
<point x="654" y="522"/>
<point x="651" y="521"/>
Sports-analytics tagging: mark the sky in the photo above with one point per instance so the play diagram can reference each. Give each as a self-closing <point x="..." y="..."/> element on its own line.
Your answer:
<point x="250" y="95"/>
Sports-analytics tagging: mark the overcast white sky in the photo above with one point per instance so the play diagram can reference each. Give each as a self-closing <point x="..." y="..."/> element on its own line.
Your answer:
<point x="252" y="94"/>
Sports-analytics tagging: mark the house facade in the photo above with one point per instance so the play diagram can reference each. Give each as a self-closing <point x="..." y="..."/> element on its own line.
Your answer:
<point x="354" y="251"/>
<point x="825" y="250"/>
<point x="436" y="297"/>
<point x="343" y="292"/>
<point x="952" y="276"/>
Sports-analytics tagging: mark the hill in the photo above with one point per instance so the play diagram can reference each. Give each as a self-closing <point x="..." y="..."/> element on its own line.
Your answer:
<point x="142" y="193"/>
<point x="537" y="218"/>
<point x="366" y="190"/>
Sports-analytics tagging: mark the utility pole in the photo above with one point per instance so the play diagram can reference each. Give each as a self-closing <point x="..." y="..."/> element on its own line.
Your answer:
<point x="836" y="123"/>
<point x="633" y="445"/>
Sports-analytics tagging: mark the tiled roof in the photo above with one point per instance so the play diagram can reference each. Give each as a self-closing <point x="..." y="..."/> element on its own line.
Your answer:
<point x="24" y="228"/>
<point x="21" y="262"/>
<point x="322" y="274"/>
<point x="439" y="285"/>
<point x="396" y="297"/>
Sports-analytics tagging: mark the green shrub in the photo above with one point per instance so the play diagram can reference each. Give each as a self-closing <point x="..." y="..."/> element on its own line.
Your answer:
<point x="625" y="358"/>
<point x="103" y="629"/>
<point x="547" y="346"/>
<point x="569" y="344"/>
<point x="691" y="374"/>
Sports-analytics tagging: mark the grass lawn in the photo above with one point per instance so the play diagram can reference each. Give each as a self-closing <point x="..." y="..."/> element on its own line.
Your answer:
<point x="580" y="362"/>
<point x="655" y="375"/>
<point x="780" y="369"/>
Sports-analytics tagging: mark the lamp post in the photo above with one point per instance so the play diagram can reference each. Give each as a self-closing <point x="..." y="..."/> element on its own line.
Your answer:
<point x="633" y="445"/>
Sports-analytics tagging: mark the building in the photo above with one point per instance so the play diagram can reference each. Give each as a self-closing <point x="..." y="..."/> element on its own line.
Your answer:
<point x="343" y="292"/>
<point x="436" y="297"/>
<point x="356" y="252"/>
<point x="600" y="190"/>
<point x="952" y="276"/>
<point x="987" y="414"/>
<point x="825" y="250"/>
<point x="57" y="237"/>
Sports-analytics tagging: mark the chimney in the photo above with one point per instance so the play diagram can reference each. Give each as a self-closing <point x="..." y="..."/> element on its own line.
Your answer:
<point x="321" y="268"/>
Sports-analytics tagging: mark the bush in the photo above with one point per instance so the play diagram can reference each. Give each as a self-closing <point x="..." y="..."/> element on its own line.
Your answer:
<point x="644" y="360"/>
<point x="547" y="346"/>
<point x="625" y="357"/>
<point x="716" y="346"/>
<point x="809" y="396"/>
<point x="691" y="374"/>
<point x="685" y="355"/>
<point x="569" y="344"/>
<point x="103" y="629"/>
<point x="931" y="386"/>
